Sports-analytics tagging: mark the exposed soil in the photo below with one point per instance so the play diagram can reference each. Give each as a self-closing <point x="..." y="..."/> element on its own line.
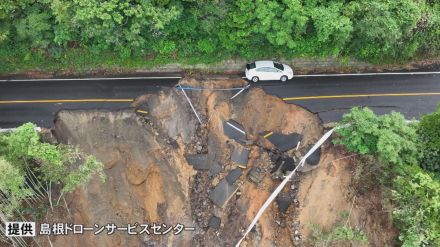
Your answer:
<point x="150" y="181"/>
<point x="326" y="193"/>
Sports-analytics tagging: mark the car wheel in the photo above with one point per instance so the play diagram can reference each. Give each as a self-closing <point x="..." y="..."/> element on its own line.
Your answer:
<point x="283" y="78"/>
<point x="255" y="79"/>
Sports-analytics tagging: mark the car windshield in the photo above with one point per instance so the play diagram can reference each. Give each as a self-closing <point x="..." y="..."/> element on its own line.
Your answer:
<point x="278" y="66"/>
<point x="250" y="66"/>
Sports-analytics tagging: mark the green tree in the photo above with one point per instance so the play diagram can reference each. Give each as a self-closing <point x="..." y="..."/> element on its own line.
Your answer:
<point x="381" y="26"/>
<point x="388" y="137"/>
<point x="12" y="187"/>
<point x="113" y="24"/>
<point x="417" y="213"/>
<point x="429" y="135"/>
<point x="76" y="178"/>
<point x="24" y="150"/>
<point x="333" y="29"/>
<point x="415" y="192"/>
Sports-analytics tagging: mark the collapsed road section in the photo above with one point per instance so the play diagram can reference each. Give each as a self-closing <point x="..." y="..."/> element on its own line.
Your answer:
<point x="164" y="166"/>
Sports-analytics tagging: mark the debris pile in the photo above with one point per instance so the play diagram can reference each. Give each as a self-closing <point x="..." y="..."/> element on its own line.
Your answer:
<point x="164" y="166"/>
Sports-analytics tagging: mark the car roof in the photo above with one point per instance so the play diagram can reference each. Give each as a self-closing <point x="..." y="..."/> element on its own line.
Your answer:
<point x="264" y="63"/>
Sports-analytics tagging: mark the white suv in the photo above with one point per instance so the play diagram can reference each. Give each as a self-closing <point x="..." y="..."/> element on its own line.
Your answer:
<point x="268" y="70"/>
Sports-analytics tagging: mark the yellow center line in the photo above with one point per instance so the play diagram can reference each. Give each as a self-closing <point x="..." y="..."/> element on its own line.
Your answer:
<point x="268" y="134"/>
<point x="63" y="101"/>
<point x="140" y="111"/>
<point x="359" y="96"/>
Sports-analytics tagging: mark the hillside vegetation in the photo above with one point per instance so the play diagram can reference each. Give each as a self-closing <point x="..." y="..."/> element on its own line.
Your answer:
<point x="406" y="167"/>
<point x="57" y="34"/>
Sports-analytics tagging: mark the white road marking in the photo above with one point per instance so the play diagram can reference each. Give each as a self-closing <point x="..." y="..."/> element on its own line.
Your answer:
<point x="368" y="74"/>
<point x="94" y="79"/>
<point x="179" y="77"/>
<point x="235" y="127"/>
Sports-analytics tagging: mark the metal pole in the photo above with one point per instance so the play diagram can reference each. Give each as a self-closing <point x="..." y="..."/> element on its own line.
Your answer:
<point x="189" y="101"/>
<point x="239" y="92"/>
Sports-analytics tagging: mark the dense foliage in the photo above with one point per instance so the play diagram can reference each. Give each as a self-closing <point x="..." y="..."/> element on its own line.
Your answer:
<point x="416" y="192"/>
<point x="388" y="137"/>
<point x="367" y="29"/>
<point x="401" y="145"/>
<point x="29" y="166"/>
<point x="417" y="212"/>
<point x="429" y="136"/>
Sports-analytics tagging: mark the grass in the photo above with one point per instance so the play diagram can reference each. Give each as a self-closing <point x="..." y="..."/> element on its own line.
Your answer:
<point x="340" y="234"/>
<point x="17" y="60"/>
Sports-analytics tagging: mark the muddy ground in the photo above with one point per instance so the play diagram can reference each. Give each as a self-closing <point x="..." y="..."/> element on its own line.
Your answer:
<point x="149" y="180"/>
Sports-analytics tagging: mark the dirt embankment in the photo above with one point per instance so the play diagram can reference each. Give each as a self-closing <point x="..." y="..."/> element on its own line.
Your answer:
<point x="146" y="181"/>
<point x="149" y="179"/>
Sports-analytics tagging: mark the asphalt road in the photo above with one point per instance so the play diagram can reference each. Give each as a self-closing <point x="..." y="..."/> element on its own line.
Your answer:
<point x="38" y="101"/>
<point x="331" y="96"/>
<point x="328" y="96"/>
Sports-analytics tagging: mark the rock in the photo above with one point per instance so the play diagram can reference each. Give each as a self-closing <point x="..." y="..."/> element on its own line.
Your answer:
<point x="215" y="181"/>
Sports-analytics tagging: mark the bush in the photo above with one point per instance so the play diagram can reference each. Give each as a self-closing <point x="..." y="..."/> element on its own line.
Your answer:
<point x="415" y="192"/>
<point x="429" y="135"/>
<point x="206" y="46"/>
<point x="165" y="47"/>
<point x="417" y="197"/>
<point x="388" y="137"/>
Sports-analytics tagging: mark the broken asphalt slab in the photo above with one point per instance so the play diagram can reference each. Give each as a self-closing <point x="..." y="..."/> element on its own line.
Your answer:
<point x="214" y="222"/>
<point x="312" y="161"/>
<point x="204" y="162"/>
<point x="198" y="161"/>
<point x="221" y="194"/>
<point x="283" y="202"/>
<point x="234" y="130"/>
<point x="314" y="158"/>
<point x="240" y="156"/>
<point x="233" y="175"/>
<point x="281" y="141"/>
<point x="288" y="165"/>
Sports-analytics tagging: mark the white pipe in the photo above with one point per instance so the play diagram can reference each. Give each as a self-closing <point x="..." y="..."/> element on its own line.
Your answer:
<point x="192" y="107"/>
<point x="285" y="181"/>
<point x="238" y="129"/>
<point x="239" y="92"/>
